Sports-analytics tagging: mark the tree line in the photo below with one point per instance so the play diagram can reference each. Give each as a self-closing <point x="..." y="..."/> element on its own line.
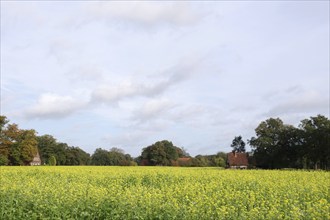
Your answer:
<point x="278" y="145"/>
<point x="275" y="146"/>
<point x="19" y="146"/>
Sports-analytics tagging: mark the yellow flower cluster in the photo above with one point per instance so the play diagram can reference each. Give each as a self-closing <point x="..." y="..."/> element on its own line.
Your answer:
<point x="162" y="193"/>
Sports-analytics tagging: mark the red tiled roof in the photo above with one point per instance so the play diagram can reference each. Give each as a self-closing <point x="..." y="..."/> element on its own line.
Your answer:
<point x="237" y="159"/>
<point x="184" y="159"/>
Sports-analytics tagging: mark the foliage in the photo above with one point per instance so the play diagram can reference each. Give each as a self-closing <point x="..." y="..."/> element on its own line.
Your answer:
<point x="161" y="153"/>
<point x="161" y="193"/>
<point x="216" y="160"/>
<point x="3" y="160"/>
<point x="238" y="145"/>
<point x="52" y="161"/>
<point x="277" y="145"/>
<point x="76" y="156"/>
<point x="64" y="154"/>
<point x="114" y="157"/>
<point x="316" y="141"/>
<point x="48" y="146"/>
<point x="17" y="146"/>
<point x="267" y="144"/>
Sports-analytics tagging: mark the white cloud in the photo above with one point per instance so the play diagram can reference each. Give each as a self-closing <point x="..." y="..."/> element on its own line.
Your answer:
<point x="127" y="88"/>
<point x="54" y="106"/>
<point x="146" y="13"/>
<point x="87" y="72"/>
<point x="153" y="109"/>
<point x="173" y="71"/>
<point x="62" y="49"/>
<point x="113" y="93"/>
<point x="308" y="101"/>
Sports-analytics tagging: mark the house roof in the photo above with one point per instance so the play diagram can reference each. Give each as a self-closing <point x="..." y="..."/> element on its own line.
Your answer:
<point x="184" y="159"/>
<point x="237" y="159"/>
<point x="36" y="158"/>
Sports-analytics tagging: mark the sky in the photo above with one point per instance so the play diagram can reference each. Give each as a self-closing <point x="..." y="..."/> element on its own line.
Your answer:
<point x="127" y="74"/>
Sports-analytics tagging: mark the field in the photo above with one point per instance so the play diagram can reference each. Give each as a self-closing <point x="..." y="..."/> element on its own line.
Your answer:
<point x="161" y="193"/>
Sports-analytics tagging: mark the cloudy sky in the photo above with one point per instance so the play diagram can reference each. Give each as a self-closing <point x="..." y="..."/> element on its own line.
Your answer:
<point x="128" y="74"/>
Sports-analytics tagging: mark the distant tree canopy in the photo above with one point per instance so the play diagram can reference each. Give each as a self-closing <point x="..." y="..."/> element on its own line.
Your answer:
<point x="64" y="154"/>
<point x="114" y="157"/>
<point x="216" y="160"/>
<point x="52" y="161"/>
<point x="277" y="145"/>
<point x="238" y="145"/>
<point x="17" y="146"/>
<point x="161" y="153"/>
<point x="315" y="142"/>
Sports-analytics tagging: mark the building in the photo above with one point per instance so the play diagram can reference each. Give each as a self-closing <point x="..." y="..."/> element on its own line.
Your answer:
<point x="36" y="160"/>
<point x="183" y="162"/>
<point x="237" y="160"/>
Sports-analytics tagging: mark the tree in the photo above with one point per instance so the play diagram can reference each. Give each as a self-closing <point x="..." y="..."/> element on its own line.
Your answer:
<point x="289" y="148"/>
<point x="214" y="160"/>
<point x="267" y="143"/>
<point x="64" y="154"/>
<point x="277" y="145"/>
<point x="238" y="145"/>
<point x="47" y="146"/>
<point x="114" y="157"/>
<point x="161" y="153"/>
<point x="11" y="144"/>
<point x="221" y="154"/>
<point x="27" y="146"/>
<point x="100" y="157"/>
<point x="17" y="146"/>
<point x="316" y="141"/>
<point x="4" y="141"/>
<point x="3" y="160"/>
<point x="76" y="156"/>
<point x="52" y="160"/>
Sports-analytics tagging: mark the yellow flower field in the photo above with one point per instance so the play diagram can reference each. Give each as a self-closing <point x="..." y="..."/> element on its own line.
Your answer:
<point x="161" y="193"/>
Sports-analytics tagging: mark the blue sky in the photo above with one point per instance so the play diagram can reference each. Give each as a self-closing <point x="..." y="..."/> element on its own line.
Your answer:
<point x="128" y="74"/>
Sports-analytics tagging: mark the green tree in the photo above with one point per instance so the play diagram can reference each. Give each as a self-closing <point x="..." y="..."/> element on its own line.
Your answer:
<point x="289" y="148"/>
<point x="3" y="160"/>
<point x="100" y="157"/>
<point x="47" y="146"/>
<point x="218" y="161"/>
<point x="17" y="146"/>
<point x="200" y="161"/>
<point x="223" y="155"/>
<point x="238" y="145"/>
<point x="5" y="143"/>
<point x="316" y="141"/>
<point x="279" y="146"/>
<point x="267" y="143"/>
<point x="52" y="160"/>
<point x="11" y="144"/>
<point x="161" y="153"/>
<point x="76" y="156"/>
<point x="113" y="157"/>
<point x="62" y="153"/>
<point x="65" y="155"/>
<point x="27" y="145"/>
<point x="116" y="157"/>
<point x="214" y="160"/>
